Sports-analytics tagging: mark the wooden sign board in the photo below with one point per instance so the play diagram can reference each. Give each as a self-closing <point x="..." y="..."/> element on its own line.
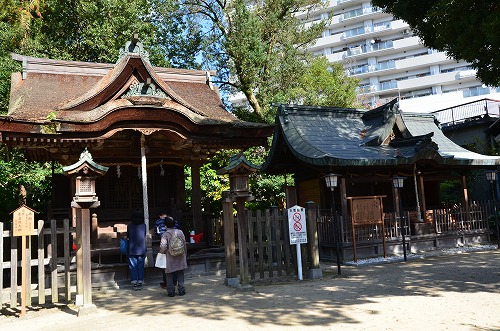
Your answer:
<point x="367" y="211"/>
<point x="23" y="221"/>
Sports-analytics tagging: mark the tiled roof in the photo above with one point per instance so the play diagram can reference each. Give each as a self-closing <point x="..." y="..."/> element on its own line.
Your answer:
<point x="339" y="137"/>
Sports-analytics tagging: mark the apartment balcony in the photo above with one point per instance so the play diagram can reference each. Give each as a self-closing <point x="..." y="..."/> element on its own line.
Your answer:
<point x="366" y="70"/>
<point x="466" y="75"/>
<point x="361" y="14"/>
<point x="408" y="43"/>
<point x="365" y="32"/>
<point x="336" y="57"/>
<point x="341" y="4"/>
<point x="382" y="48"/>
<point x="423" y="61"/>
<point x="325" y="42"/>
<point x="427" y="81"/>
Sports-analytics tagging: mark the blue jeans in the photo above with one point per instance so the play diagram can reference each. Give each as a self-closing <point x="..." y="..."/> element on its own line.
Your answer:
<point x="136" y="267"/>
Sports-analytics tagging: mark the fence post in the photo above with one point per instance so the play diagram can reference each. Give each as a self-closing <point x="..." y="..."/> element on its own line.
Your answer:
<point x="67" y="261"/>
<point x="1" y="264"/>
<point x="53" y="261"/>
<point x="315" y="271"/>
<point x="41" y="263"/>
<point x="229" y="240"/>
<point x="13" y="271"/>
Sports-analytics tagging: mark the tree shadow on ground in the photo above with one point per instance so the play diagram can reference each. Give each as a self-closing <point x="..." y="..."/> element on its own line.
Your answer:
<point x="315" y="302"/>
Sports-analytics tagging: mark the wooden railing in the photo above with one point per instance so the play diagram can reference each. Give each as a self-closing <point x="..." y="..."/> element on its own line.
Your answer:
<point x="444" y="220"/>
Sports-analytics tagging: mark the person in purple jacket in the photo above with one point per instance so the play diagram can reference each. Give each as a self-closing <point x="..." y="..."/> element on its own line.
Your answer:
<point x="136" y="233"/>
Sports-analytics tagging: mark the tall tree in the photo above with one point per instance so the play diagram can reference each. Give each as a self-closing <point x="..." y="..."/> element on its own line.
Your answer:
<point x="464" y="29"/>
<point x="324" y="84"/>
<point x="257" y="46"/>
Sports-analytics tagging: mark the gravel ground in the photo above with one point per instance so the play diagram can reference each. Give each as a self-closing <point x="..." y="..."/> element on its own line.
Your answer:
<point x="455" y="289"/>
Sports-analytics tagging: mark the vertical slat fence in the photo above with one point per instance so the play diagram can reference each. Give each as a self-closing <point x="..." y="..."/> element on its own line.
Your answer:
<point x="36" y="286"/>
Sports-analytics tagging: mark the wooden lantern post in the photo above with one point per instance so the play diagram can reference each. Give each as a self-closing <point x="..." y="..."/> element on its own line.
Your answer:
<point x="238" y="169"/>
<point x="84" y="171"/>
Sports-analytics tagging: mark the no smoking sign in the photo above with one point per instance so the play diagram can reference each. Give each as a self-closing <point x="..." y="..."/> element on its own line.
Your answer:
<point x="297" y="225"/>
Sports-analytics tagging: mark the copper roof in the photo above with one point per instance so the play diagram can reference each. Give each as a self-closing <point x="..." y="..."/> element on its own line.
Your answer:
<point x="56" y="103"/>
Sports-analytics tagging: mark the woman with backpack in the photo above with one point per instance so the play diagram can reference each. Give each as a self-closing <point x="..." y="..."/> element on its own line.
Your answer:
<point x="173" y="244"/>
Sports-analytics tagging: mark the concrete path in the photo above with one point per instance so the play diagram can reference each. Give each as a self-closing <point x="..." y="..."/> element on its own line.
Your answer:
<point x="451" y="292"/>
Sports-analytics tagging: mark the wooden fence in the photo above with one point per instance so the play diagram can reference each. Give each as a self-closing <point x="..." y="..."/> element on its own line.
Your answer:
<point x="270" y="256"/>
<point x="449" y="220"/>
<point x="47" y="261"/>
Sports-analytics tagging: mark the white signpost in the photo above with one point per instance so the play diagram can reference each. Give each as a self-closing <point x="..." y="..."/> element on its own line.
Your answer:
<point x="298" y="232"/>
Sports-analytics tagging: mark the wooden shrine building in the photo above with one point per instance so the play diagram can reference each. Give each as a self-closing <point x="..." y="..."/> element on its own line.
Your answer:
<point x="366" y="150"/>
<point x="146" y="123"/>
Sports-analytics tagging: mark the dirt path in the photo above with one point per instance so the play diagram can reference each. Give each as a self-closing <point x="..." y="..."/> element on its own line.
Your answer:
<point x="452" y="292"/>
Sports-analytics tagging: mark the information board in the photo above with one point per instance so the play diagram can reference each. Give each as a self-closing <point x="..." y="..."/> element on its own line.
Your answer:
<point x="297" y="225"/>
<point x="23" y="222"/>
<point x="366" y="211"/>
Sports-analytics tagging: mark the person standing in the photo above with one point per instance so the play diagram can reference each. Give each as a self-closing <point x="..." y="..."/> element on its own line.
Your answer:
<point x="136" y="233"/>
<point x="161" y="228"/>
<point x="176" y="264"/>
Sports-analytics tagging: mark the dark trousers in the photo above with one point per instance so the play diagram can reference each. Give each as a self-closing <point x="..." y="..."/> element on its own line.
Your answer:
<point x="165" y="279"/>
<point x="180" y="282"/>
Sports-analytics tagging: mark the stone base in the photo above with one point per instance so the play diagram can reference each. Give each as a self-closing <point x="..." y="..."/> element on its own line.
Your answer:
<point x="87" y="309"/>
<point x="315" y="273"/>
<point x="245" y="288"/>
<point x="232" y="282"/>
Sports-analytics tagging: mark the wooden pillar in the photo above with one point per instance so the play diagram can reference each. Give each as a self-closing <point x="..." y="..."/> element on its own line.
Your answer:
<point x="465" y="198"/>
<point x="291" y="196"/>
<point x="86" y="266"/>
<point x="421" y="191"/>
<point x="94" y="234"/>
<point x="343" y="199"/>
<point x="77" y="217"/>
<point x="242" y="242"/>
<point x="145" y="202"/>
<point x="196" y="196"/>
<point x="229" y="240"/>
<point x="395" y="195"/>
<point x="315" y="271"/>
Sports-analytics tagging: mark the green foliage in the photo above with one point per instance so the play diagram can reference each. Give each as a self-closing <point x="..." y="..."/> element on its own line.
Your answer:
<point x="15" y="171"/>
<point x="465" y="29"/>
<point x="324" y="84"/>
<point x="257" y="46"/>
<point x="451" y="192"/>
<point x="267" y="190"/>
<point x="94" y="31"/>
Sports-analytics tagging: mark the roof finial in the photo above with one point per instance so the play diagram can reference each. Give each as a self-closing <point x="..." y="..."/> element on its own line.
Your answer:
<point x="134" y="47"/>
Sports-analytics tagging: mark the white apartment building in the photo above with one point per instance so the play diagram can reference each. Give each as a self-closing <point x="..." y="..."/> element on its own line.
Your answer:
<point x="392" y="62"/>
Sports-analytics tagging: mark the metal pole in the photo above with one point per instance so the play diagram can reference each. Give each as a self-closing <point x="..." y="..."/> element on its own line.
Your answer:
<point x="299" y="261"/>
<point x="337" y="234"/>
